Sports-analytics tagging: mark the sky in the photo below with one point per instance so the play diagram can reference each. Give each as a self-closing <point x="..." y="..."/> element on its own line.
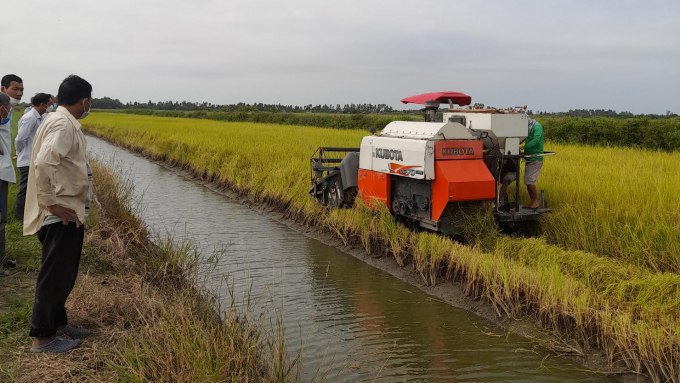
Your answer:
<point x="549" y="55"/>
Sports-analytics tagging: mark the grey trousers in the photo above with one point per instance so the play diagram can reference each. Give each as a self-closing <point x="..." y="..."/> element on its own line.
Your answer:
<point x="3" y="217"/>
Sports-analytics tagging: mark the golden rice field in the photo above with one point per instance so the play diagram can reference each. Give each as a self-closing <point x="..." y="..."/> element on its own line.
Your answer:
<point x="604" y="273"/>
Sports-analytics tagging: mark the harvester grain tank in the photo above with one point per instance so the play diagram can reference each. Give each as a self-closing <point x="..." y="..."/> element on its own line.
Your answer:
<point x="430" y="172"/>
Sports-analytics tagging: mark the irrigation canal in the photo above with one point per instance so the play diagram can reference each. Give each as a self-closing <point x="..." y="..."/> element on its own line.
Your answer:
<point x="353" y="322"/>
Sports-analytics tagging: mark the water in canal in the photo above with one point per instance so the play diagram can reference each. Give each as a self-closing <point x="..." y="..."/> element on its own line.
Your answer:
<point x="354" y="321"/>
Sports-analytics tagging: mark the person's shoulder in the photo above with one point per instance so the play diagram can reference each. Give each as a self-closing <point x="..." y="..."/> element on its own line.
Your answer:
<point x="24" y="118"/>
<point x="56" y="121"/>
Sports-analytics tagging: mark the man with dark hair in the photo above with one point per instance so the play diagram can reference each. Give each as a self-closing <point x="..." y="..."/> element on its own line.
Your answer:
<point x="28" y="125"/>
<point x="51" y="105"/>
<point x="13" y="87"/>
<point x="57" y="203"/>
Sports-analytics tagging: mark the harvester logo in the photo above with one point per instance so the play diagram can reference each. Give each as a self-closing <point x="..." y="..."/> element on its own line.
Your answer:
<point x="458" y="152"/>
<point x="405" y="170"/>
<point x="388" y="154"/>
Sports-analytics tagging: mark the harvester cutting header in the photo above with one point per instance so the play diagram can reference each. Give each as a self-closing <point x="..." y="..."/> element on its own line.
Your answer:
<point x="430" y="172"/>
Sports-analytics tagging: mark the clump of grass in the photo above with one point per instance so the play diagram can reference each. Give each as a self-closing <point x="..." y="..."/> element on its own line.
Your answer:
<point x="611" y="283"/>
<point x="616" y="202"/>
<point x="150" y="321"/>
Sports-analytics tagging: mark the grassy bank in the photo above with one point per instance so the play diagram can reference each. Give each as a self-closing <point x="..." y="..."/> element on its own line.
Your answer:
<point x="150" y="321"/>
<point x="621" y="298"/>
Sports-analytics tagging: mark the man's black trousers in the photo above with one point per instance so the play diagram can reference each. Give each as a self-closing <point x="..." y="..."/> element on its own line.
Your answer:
<point x="61" y="249"/>
<point x="21" y="195"/>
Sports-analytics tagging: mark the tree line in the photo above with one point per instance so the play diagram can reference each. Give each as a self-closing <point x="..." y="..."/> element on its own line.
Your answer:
<point x="601" y="113"/>
<point x="109" y="103"/>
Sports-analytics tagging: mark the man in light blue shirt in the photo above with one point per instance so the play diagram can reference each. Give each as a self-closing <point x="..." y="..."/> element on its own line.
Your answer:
<point x="52" y="105"/>
<point x="28" y="125"/>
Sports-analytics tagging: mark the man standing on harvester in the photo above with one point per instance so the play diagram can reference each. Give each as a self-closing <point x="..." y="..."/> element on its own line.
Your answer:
<point x="533" y="145"/>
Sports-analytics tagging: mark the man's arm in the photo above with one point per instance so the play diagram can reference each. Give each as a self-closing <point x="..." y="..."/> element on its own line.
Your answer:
<point x="24" y="129"/>
<point x="535" y="137"/>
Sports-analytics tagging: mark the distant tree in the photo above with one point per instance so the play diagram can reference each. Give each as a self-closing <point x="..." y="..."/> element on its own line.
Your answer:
<point x="107" y="103"/>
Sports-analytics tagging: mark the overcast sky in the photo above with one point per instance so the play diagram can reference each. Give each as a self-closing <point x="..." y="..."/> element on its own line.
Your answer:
<point x="549" y="55"/>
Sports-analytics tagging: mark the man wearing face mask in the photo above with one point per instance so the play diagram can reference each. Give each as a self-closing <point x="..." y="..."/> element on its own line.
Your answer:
<point x="12" y="86"/>
<point x="27" y="126"/>
<point x="57" y="204"/>
<point x="5" y="117"/>
<point x="53" y="105"/>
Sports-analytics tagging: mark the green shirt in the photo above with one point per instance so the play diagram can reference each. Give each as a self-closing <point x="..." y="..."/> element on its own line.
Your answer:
<point x="534" y="143"/>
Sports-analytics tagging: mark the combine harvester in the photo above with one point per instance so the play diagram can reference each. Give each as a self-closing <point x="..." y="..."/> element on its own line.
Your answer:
<point x="431" y="172"/>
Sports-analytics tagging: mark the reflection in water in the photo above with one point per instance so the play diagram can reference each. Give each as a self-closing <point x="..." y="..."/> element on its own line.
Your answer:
<point x="353" y="322"/>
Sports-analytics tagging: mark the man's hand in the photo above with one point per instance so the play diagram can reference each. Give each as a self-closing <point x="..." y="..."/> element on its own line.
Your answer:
<point x="64" y="213"/>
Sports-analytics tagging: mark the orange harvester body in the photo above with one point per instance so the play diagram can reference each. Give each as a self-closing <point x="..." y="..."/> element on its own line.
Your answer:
<point x="460" y="175"/>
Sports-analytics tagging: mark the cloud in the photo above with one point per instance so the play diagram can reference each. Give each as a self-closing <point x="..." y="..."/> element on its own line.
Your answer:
<point x="548" y="55"/>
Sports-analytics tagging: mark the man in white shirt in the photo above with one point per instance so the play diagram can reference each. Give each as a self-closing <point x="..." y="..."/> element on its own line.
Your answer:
<point x="12" y="86"/>
<point x="27" y="126"/>
<point x="52" y="105"/>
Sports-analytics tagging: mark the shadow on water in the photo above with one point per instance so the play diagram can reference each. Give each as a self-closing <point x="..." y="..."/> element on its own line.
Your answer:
<point x="353" y="322"/>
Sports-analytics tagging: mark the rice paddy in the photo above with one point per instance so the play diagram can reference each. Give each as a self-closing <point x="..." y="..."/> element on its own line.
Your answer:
<point x="604" y="272"/>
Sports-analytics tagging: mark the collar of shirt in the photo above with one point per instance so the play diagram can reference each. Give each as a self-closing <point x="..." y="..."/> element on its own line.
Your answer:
<point x="70" y="116"/>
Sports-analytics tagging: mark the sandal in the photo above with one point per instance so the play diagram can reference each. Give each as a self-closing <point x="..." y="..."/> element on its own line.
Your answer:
<point x="74" y="332"/>
<point x="57" y="346"/>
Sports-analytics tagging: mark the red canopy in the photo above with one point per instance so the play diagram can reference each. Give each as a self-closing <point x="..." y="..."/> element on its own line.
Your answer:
<point x="443" y="97"/>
